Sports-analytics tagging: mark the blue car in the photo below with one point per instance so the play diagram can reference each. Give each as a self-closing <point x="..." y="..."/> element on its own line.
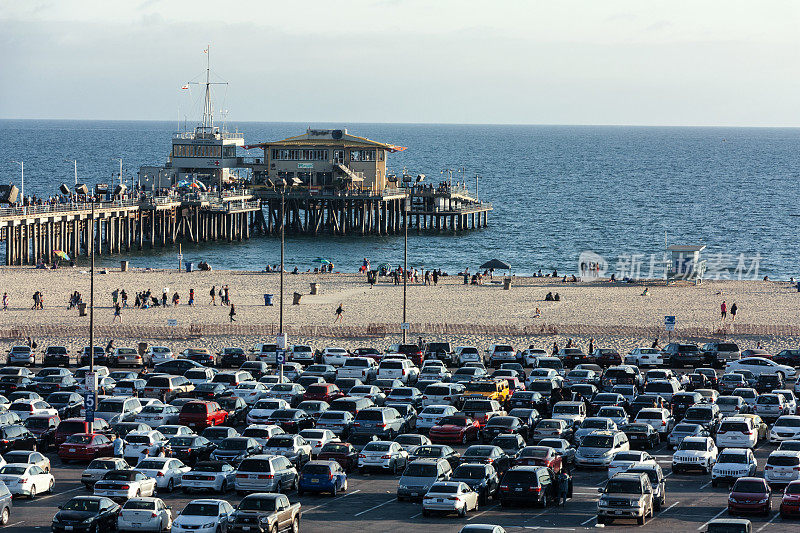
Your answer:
<point x="322" y="476"/>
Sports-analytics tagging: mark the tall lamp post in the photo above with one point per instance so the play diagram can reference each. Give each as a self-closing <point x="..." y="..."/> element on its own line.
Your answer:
<point x="120" y="168"/>
<point x="74" y="166"/>
<point x="92" y="387"/>
<point x="406" y="209"/>
<point x="283" y="183"/>
<point x="21" y="178"/>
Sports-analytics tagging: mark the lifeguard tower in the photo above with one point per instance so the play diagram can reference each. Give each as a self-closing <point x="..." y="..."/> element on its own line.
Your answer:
<point x="685" y="263"/>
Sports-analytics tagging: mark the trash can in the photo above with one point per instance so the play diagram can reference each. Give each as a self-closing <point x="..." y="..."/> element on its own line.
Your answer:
<point x="314" y="288"/>
<point x="268" y="299"/>
<point x="189" y="266"/>
<point x="123" y="266"/>
<point x="296" y="299"/>
<point x="506" y="283"/>
<point x="81" y="309"/>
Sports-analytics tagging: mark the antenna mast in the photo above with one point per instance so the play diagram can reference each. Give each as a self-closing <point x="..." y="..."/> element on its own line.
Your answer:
<point x="208" y="111"/>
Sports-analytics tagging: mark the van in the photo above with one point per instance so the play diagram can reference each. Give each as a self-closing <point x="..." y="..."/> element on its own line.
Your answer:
<point x="266" y="352"/>
<point x="351" y="404"/>
<point x="167" y="388"/>
<point x="443" y="393"/>
<point x="663" y="387"/>
<point x="265" y="473"/>
<point x="383" y="422"/>
<point x="117" y="409"/>
<point x="442" y="351"/>
<point x="574" y="413"/>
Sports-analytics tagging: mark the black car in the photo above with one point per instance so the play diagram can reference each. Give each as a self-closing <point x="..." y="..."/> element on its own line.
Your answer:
<point x="769" y="382"/>
<point x="256" y="368"/>
<point x="123" y="428"/>
<point x="236" y="408"/>
<point x="231" y="357"/>
<point x="788" y="357"/>
<point x="55" y="356"/>
<point x="86" y="514"/>
<point x="511" y="444"/>
<point x="16" y="437"/>
<point x="647" y="400"/>
<point x="209" y="391"/>
<point x="529" y="484"/>
<point x="50" y="384"/>
<point x="608" y="399"/>
<point x="44" y="428"/>
<point x="527" y="399"/>
<point x="191" y="448"/>
<point x="678" y="355"/>
<point x="641" y="436"/>
<point x="292" y="420"/>
<point x="9" y="384"/>
<point x="408" y="413"/>
<point x="217" y="434"/>
<point x="435" y="451"/>
<point x="68" y="404"/>
<point x="529" y="417"/>
<point x="498" y="425"/>
<point x="681" y="401"/>
<point x="481" y="478"/>
<point x="487" y="454"/>
<point x="176" y="367"/>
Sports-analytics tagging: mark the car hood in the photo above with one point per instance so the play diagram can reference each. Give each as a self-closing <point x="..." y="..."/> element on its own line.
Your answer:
<point x="731" y="466"/>
<point x="414" y="480"/>
<point x="194" y="520"/>
<point x="748" y="495"/>
<point x="74" y="515"/>
<point x="690" y="453"/>
<point x="785" y="429"/>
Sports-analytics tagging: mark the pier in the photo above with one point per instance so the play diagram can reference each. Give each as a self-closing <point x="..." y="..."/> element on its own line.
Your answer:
<point x="121" y="225"/>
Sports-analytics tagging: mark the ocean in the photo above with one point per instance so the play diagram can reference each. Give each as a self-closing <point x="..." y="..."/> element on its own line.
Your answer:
<point x="557" y="191"/>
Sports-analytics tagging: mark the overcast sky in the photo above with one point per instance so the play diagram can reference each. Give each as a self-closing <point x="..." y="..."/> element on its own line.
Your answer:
<point x="696" y="62"/>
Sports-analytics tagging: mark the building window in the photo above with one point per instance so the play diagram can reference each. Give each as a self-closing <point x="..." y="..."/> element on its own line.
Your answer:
<point x="286" y="154"/>
<point x="362" y="155"/>
<point x="229" y="151"/>
<point x="338" y="156"/>
<point x="191" y="150"/>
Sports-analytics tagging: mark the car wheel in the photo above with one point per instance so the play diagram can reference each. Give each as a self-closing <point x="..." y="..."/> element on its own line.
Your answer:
<point x="344" y="487"/>
<point x="296" y="525"/>
<point x="425" y="513"/>
<point x="463" y="511"/>
<point x="544" y="500"/>
<point x="274" y="529"/>
<point x="334" y="491"/>
<point x="293" y="486"/>
<point x="714" y="483"/>
<point x="52" y="485"/>
<point x="4" y="516"/>
<point x="170" y="486"/>
<point x="640" y="520"/>
<point x="601" y="520"/>
<point x="32" y="495"/>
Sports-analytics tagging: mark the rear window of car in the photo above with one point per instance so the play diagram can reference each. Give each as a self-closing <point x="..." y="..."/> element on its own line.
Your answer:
<point x="158" y="382"/>
<point x="521" y="476"/>
<point x="392" y="365"/>
<point x="783" y="460"/>
<point x="733" y="426"/>
<point x="194" y="408"/>
<point x="72" y="427"/>
<point x="369" y="415"/>
<point x="255" y="465"/>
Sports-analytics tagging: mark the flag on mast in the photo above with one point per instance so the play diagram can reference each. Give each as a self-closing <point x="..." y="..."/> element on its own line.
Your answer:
<point x="186" y="87"/>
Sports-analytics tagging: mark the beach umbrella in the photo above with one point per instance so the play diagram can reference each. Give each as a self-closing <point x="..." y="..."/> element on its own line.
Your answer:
<point x="61" y="254"/>
<point x="495" y="264"/>
<point x="321" y="260"/>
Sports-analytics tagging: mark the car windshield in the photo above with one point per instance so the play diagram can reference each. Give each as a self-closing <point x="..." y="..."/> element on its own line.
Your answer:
<point x="280" y="442"/>
<point x="453" y="421"/>
<point x="202" y="509"/>
<point x="110" y="407"/>
<point x="788" y="422"/>
<point x="597" y="441"/>
<point x="535" y="451"/>
<point x="731" y="457"/>
<point x="82" y="504"/>
<point x="79" y="439"/>
<point x="150" y="465"/>
<point x="686" y="428"/>
<point x="333" y="447"/>
<point x="479" y="451"/>
<point x="594" y="423"/>
<point x="623" y="486"/>
<point x="748" y="485"/>
<point x="566" y="409"/>
<point x="767" y="399"/>
<point x="549" y="424"/>
<point x="793" y="488"/>
<point x="181" y="441"/>
<point x="37" y="423"/>
<point x="420" y="470"/>
<point x="694" y="445"/>
<point x="153" y="409"/>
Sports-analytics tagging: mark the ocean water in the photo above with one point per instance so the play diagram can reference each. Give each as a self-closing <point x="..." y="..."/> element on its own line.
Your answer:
<point x="557" y="191"/>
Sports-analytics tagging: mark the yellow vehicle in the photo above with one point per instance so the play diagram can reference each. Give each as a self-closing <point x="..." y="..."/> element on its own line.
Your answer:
<point x="489" y="389"/>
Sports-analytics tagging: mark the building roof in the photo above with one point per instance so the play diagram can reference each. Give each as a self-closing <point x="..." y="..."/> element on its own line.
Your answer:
<point x="687" y="248"/>
<point x="315" y="137"/>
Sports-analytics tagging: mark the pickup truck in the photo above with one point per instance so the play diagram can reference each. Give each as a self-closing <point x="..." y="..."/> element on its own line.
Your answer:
<point x="265" y="512"/>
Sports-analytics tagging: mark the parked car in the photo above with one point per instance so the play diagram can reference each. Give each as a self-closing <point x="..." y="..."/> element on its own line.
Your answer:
<point x="790" y="503"/>
<point x="343" y="453"/>
<point x="90" y="512"/>
<point x="733" y="463"/>
<point x="167" y="471"/>
<point x="124" y="484"/>
<point x="420" y="475"/>
<point x="384" y="455"/>
<point x="448" y="497"/>
<point x="626" y="495"/>
<point x="695" y="453"/>
<point x="750" y="495"/>
<point x="199" y="414"/>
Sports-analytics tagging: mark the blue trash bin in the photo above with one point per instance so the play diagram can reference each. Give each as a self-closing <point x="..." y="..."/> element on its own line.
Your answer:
<point x="268" y="299"/>
<point x="189" y="266"/>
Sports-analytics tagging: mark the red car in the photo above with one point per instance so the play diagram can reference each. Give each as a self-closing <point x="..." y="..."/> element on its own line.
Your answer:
<point x="456" y="428"/>
<point x="326" y="392"/>
<point x="85" y="447"/>
<point x="343" y="453"/>
<point x="72" y="426"/>
<point x="538" y="456"/>
<point x="790" y="504"/>
<point x="750" y="495"/>
<point x="199" y="415"/>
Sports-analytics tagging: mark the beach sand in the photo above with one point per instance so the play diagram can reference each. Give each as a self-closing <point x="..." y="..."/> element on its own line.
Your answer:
<point x="615" y="314"/>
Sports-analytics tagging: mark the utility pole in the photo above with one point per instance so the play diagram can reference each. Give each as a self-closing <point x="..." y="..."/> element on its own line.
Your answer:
<point x="406" y="205"/>
<point x="120" y="168"/>
<point x="476" y="186"/>
<point x="92" y="387"/>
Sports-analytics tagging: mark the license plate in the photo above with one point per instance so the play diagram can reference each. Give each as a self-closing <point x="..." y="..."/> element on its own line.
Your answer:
<point x="518" y="489"/>
<point x="137" y="525"/>
<point x="72" y="450"/>
<point x="246" y="528"/>
<point x="314" y="481"/>
<point x="439" y="500"/>
<point x="253" y="476"/>
<point x="414" y="494"/>
<point x="67" y="528"/>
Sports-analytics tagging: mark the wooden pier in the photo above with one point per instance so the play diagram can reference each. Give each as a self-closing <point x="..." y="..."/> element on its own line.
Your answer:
<point x="35" y="232"/>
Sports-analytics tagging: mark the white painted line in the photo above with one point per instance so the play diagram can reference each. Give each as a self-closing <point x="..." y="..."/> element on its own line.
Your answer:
<point x="484" y="512"/>
<point x="585" y="493"/>
<point x="60" y="493"/>
<point x="416" y="515"/>
<point x="712" y="518"/>
<point x="16" y="523"/>
<point x="667" y="475"/>
<point x="768" y="523"/>
<point x="668" y="508"/>
<point x="387" y="502"/>
<point x="592" y="519"/>
<point x="333" y="500"/>
<point x="706" y="485"/>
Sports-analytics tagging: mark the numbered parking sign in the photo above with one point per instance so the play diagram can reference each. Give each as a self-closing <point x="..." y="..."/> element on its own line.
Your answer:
<point x="280" y="357"/>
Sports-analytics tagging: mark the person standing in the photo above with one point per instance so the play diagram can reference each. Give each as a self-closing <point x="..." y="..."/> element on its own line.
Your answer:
<point x="734" y="309"/>
<point x="435" y="277"/>
<point x="723" y="308"/>
<point x="591" y="345"/>
<point x="124" y="296"/>
<point x="339" y="313"/>
<point x="119" y="447"/>
<point x="563" y="486"/>
<point x="117" y="313"/>
<point x="191" y="297"/>
<point x="5" y="301"/>
<point x="555" y="348"/>
<point x="213" y="294"/>
<point x="232" y="313"/>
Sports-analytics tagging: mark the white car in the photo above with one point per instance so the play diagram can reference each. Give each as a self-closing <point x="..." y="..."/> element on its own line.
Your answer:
<point x="432" y="414"/>
<point x="618" y="415"/>
<point x="140" y="444"/>
<point x="574" y="413"/>
<point x="203" y="516"/>
<point x="538" y="374"/>
<point x="450" y="496"/>
<point x="402" y="369"/>
<point x="782" y="467"/>
<point x="302" y="353"/>
<point x="21" y="355"/>
<point x="317" y="438"/>
<point x="761" y="365"/>
<point x="166" y="471"/>
<point x="263" y="409"/>
<point x="384" y="455"/>
<point x="733" y="463"/>
<point x="531" y="356"/>
<point x="661" y="420"/>
<point x="27" y="480"/>
<point x="262" y="432"/>
<point x="291" y="371"/>
<point x="770" y="406"/>
<point x="790" y="398"/>
<point x="272" y="379"/>
<point x="25" y="457"/>
<point x="737" y="432"/>
<point x="158" y="354"/>
<point x="218" y="476"/>
<point x="155" y="415"/>
<point x="748" y="394"/>
<point x="442" y="393"/>
<point x="786" y="427"/>
<point x="645" y="357"/>
<point x="28" y="408"/>
<point x="731" y="405"/>
<point x="144" y="514"/>
<point x="251" y="391"/>
<point x="467" y="354"/>
<point x="340" y="422"/>
<point x="198" y="376"/>
<point x="621" y="461"/>
<point x="175" y="430"/>
<point x="293" y="447"/>
<point x="334" y="356"/>
<point x="695" y="453"/>
<point x="99" y="467"/>
<point x="362" y="368"/>
<point x="436" y="373"/>
<point x="124" y="484"/>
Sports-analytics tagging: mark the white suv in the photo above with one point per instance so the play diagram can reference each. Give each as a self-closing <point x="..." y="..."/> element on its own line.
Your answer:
<point x="501" y="353"/>
<point x="402" y="369"/>
<point x="362" y="368"/>
<point x="786" y="427"/>
<point x="782" y="467"/>
<point x="661" y="420"/>
<point x="695" y="453"/>
<point x="467" y="354"/>
<point x="737" y="432"/>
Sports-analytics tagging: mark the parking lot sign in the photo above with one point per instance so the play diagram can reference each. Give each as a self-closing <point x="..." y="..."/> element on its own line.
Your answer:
<point x="669" y="323"/>
<point x="280" y="357"/>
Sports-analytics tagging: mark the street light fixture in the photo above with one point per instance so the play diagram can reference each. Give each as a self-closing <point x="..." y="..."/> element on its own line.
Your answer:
<point x="283" y="183"/>
<point x="22" y="179"/>
<point x="406" y="209"/>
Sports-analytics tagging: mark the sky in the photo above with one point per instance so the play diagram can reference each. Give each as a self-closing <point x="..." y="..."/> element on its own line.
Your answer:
<point x="631" y="62"/>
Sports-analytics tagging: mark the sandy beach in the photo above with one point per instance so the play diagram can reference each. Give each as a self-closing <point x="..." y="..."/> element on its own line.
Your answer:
<point x="615" y="314"/>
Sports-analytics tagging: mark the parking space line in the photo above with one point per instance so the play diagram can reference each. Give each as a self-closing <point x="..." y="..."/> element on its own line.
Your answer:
<point x="333" y="500"/>
<point x="60" y="493"/>
<point x="376" y="506"/>
<point x="712" y="518"/>
<point x="706" y="485"/>
<point x="592" y="519"/>
<point x="667" y="509"/>
<point x="484" y="512"/>
<point x="16" y="523"/>
<point x="777" y="514"/>
<point x="416" y="515"/>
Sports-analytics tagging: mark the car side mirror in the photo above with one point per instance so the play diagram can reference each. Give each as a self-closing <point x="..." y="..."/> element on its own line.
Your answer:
<point x="601" y="490"/>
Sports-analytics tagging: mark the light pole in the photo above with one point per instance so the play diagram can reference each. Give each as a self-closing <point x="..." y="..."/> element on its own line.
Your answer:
<point x="406" y="206"/>
<point x="75" y="166"/>
<point x="120" y="168"/>
<point x="283" y="183"/>
<point x="90" y="414"/>
<point x="476" y="185"/>
<point x="22" y="179"/>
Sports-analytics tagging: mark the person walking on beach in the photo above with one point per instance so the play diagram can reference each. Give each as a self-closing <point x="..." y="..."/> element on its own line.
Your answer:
<point x="555" y="348"/>
<point x="435" y="277"/>
<point x="117" y="313"/>
<point x="339" y="312"/>
<point x="723" y="308"/>
<point x="232" y="313"/>
<point x="114" y="296"/>
<point x="164" y="297"/>
<point x="191" y="297"/>
<point x="591" y="345"/>
<point x="734" y="309"/>
<point x="124" y="296"/>
<point x="5" y="301"/>
<point x="213" y="294"/>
